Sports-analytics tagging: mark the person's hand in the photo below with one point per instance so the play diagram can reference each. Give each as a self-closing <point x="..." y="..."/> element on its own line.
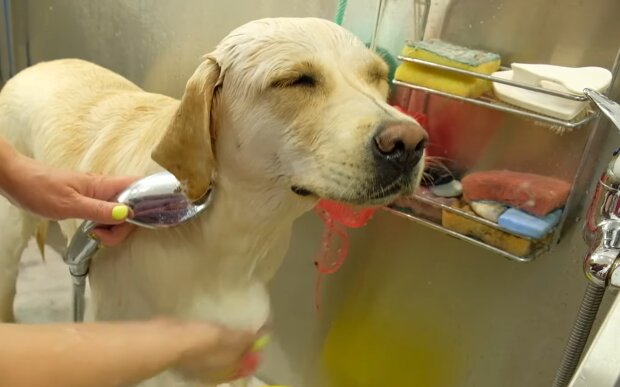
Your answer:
<point x="58" y="195"/>
<point x="212" y="353"/>
<point x="124" y="353"/>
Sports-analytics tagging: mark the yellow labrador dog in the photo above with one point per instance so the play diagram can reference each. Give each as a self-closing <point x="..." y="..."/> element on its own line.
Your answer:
<point x="281" y="113"/>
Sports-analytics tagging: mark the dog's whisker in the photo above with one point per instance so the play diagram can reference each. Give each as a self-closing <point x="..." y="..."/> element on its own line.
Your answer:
<point x="434" y="162"/>
<point x="428" y="178"/>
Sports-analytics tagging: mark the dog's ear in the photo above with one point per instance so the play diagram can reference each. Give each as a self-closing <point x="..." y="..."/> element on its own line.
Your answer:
<point x="186" y="148"/>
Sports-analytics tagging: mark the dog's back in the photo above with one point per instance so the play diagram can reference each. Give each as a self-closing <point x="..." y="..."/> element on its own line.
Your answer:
<point x="54" y="111"/>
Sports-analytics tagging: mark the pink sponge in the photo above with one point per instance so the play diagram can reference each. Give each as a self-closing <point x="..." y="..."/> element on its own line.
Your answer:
<point x="536" y="194"/>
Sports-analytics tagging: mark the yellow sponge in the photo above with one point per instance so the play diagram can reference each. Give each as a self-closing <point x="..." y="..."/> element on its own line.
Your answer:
<point x="510" y="243"/>
<point x="447" y="54"/>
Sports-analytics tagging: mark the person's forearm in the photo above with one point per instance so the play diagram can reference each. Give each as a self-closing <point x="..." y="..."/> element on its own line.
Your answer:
<point x="103" y="354"/>
<point x="7" y="154"/>
<point x="6" y="148"/>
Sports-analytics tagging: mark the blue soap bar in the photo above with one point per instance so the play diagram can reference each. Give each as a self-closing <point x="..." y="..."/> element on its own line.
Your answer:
<point x="524" y="224"/>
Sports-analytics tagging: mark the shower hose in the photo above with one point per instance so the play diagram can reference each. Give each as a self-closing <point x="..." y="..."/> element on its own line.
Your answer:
<point x="579" y="334"/>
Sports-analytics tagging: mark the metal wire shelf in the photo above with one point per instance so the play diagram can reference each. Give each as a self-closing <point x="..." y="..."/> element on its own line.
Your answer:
<point x="536" y="247"/>
<point x="540" y="246"/>
<point x="493" y="103"/>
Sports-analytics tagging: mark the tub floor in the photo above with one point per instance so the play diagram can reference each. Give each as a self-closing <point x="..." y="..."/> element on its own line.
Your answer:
<point x="44" y="290"/>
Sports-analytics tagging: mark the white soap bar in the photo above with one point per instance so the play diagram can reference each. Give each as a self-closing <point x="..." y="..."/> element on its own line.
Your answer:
<point x="488" y="210"/>
<point x="549" y="105"/>
<point x="573" y="79"/>
<point x="452" y="189"/>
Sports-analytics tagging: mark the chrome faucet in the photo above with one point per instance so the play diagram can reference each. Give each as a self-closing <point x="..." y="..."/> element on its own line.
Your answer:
<point x="602" y="226"/>
<point x="601" y="232"/>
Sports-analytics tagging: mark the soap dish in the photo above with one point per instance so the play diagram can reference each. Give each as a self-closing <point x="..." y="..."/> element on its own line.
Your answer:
<point x="549" y="105"/>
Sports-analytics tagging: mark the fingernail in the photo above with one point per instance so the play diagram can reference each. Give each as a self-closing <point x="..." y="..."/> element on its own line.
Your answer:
<point x="120" y="212"/>
<point x="261" y="343"/>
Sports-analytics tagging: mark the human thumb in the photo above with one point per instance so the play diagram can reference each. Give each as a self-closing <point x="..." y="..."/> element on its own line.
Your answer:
<point x="101" y="211"/>
<point x="92" y="203"/>
<point x="108" y="187"/>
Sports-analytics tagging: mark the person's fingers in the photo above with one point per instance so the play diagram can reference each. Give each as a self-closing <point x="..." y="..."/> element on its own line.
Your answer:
<point x="251" y="360"/>
<point x="107" y="187"/>
<point x="249" y="365"/>
<point x="112" y="236"/>
<point x="216" y="354"/>
<point x="241" y="339"/>
<point x="99" y="211"/>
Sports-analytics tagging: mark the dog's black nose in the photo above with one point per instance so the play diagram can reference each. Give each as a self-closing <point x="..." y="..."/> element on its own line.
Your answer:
<point x="399" y="145"/>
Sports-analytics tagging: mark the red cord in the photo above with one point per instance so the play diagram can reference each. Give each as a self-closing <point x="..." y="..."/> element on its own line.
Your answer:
<point x="337" y="218"/>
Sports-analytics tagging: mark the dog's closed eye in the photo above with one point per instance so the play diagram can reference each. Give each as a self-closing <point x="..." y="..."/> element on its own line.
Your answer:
<point x="377" y="73"/>
<point x="377" y="76"/>
<point x="299" y="80"/>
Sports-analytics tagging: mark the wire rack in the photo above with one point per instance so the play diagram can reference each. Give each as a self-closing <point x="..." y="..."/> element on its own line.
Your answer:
<point x="488" y="100"/>
<point x="539" y="247"/>
<point x="495" y="104"/>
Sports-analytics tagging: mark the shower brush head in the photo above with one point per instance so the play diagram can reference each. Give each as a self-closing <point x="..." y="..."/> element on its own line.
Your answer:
<point x="156" y="201"/>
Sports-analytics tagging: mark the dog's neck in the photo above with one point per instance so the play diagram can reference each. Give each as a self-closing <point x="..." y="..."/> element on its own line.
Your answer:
<point x="249" y="228"/>
<point x="245" y="231"/>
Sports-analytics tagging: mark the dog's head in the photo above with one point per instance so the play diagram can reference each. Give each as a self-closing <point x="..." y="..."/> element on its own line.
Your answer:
<point x="296" y="104"/>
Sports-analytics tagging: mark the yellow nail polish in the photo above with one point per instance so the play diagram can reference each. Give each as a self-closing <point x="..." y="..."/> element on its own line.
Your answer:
<point x="261" y="343"/>
<point x="120" y="212"/>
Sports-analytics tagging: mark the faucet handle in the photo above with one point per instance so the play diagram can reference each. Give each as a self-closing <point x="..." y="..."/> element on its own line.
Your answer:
<point x="601" y="265"/>
<point x="602" y="262"/>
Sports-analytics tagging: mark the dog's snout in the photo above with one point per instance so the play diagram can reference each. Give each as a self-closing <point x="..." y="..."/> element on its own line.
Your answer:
<point x="400" y="143"/>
